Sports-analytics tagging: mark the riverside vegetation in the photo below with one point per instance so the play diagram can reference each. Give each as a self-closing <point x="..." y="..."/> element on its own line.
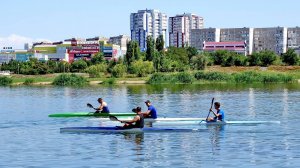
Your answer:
<point x="156" y="65"/>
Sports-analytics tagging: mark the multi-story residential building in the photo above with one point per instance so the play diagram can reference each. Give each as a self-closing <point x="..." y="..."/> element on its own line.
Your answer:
<point x="180" y="27"/>
<point x="199" y="36"/>
<point x="147" y="23"/>
<point x="293" y="37"/>
<point x="273" y="39"/>
<point x="238" y="34"/>
<point x="120" y="40"/>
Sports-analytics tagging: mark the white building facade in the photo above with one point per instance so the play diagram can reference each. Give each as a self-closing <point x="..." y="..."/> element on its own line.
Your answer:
<point x="147" y="23"/>
<point x="180" y="27"/>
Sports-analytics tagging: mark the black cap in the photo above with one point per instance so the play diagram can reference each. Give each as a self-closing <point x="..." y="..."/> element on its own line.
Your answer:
<point x="136" y="109"/>
<point x="147" y="101"/>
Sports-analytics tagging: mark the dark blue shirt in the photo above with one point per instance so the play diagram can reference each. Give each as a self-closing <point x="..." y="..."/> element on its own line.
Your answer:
<point x="153" y="113"/>
<point x="105" y="109"/>
<point x="221" y="116"/>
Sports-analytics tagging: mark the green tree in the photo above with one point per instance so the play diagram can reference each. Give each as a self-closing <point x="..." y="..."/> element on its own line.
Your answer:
<point x="178" y="54"/>
<point x="290" y="57"/>
<point x="150" y="48"/>
<point x="96" y="70"/>
<point x="78" y="65"/>
<point x="254" y="59"/>
<point x="98" y="58"/>
<point x="132" y="54"/>
<point x="267" y="57"/>
<point x="119" y="70"/>
<point x="157" y="60"/>
<point x="199" y="62"/>
<point x="159" y="44"/>
<point x="142" y="68"/>
<point x="192" y="51"/>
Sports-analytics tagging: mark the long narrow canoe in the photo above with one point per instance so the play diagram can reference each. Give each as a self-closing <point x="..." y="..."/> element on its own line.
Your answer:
<point x="203" y="122"/>
<point x="122" y="130"/>
<point x="153" y="120"/>
<point x="91" y="114"/>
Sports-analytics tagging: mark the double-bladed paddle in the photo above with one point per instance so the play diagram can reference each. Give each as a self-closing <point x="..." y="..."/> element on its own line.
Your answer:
<point x="114" y="118"/>
<point x="91" y="106"/>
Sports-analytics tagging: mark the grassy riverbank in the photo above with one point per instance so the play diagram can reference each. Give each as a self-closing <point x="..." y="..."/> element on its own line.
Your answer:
<point x="211" y="74"/>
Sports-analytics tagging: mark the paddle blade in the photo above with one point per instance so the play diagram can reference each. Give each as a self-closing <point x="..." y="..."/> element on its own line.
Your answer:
<point x="113" y="118"/>
<point x="89" y="105"/>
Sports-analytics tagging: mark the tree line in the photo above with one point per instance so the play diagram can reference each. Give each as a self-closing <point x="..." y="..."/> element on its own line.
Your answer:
<point x="155" y="59"/>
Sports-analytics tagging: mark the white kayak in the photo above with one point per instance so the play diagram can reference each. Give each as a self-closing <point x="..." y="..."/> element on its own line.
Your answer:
<point x="203" y="122"/>
<point x="162" y="119"/>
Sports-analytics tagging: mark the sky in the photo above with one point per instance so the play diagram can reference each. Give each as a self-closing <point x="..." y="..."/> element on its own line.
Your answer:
<point x="25" y="21"/>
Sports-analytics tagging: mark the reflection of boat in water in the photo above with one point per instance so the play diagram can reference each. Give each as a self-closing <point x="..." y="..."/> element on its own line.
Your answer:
<point x="122" y="130"/>
<point x="203" y="122"/>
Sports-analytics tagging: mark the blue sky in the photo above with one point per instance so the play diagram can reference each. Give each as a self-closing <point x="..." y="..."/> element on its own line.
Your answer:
<point x="55" y="20"/>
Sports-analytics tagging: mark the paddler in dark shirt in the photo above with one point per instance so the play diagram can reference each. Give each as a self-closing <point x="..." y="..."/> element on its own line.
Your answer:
<point x="103" y="108"/>
<point x="137" y="121"/>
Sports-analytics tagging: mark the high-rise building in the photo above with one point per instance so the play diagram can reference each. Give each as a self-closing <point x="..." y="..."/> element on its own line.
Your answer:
<point x="238" y="34"/>
<point x="147" y="23"/>
<point x="199" y="36"/>
<point x="180" y="27"/>
<point x="293" y="36"/>
<point x="273" y="39"/>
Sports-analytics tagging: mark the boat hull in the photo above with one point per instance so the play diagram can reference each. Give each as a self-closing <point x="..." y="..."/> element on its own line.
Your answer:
<point x="203" y="122"/>
<point x="122" y="130"/>
<point x="151" y="120"/>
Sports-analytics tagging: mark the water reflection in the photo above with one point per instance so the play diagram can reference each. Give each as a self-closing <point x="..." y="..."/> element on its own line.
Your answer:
<point x="216" y="133"/>
<point x="138" y="141"/>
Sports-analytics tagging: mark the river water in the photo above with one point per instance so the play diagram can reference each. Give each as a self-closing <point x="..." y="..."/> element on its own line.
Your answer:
<point x="29" y="138"/>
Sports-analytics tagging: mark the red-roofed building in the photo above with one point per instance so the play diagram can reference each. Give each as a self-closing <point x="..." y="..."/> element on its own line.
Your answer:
<point x="238" y="46"/>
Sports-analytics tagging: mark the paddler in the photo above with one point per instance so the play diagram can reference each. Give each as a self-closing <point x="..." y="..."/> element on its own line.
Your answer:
<point x="137" y="121"/>
<point x="219" y="115"/>
<point x="151" y="112"/>
<point x="103" y="108"/>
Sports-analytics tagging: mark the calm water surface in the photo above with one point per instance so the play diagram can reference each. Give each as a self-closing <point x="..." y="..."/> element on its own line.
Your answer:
<point x="30" y="139"/>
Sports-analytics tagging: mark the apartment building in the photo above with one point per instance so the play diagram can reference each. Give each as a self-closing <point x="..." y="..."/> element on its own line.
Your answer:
<point x="238" y="35"/>
<point x="180" y="27"/>
<point x="199" y="36"/>
<point x="273" y="39"/>
<point x="147" y="23"/>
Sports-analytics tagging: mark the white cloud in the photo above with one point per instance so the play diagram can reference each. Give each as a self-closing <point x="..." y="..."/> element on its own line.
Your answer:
<point x="17" y="41"/>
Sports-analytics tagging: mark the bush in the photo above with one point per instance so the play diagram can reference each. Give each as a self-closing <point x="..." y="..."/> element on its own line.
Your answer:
<point x="28" y="81"/>
<point x="212" y="76"/>
<point x="267" y="57"/>
<point x="96" y="71"/>
<point x="78" y="66"/>
<point x="290" y="57"/>
<point x="110" y="81"/>
<point x="159" y="78"/>
<point x="4" y="81"/>
<point x="70" y="80"/>
<point x="142" y="68"/>
<point x="183" y="77"/>
<point x="240" y="60"/>
<point x="119" y="70"/>
<point x="255" y="77"/>
<point x="199" y="62"/>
